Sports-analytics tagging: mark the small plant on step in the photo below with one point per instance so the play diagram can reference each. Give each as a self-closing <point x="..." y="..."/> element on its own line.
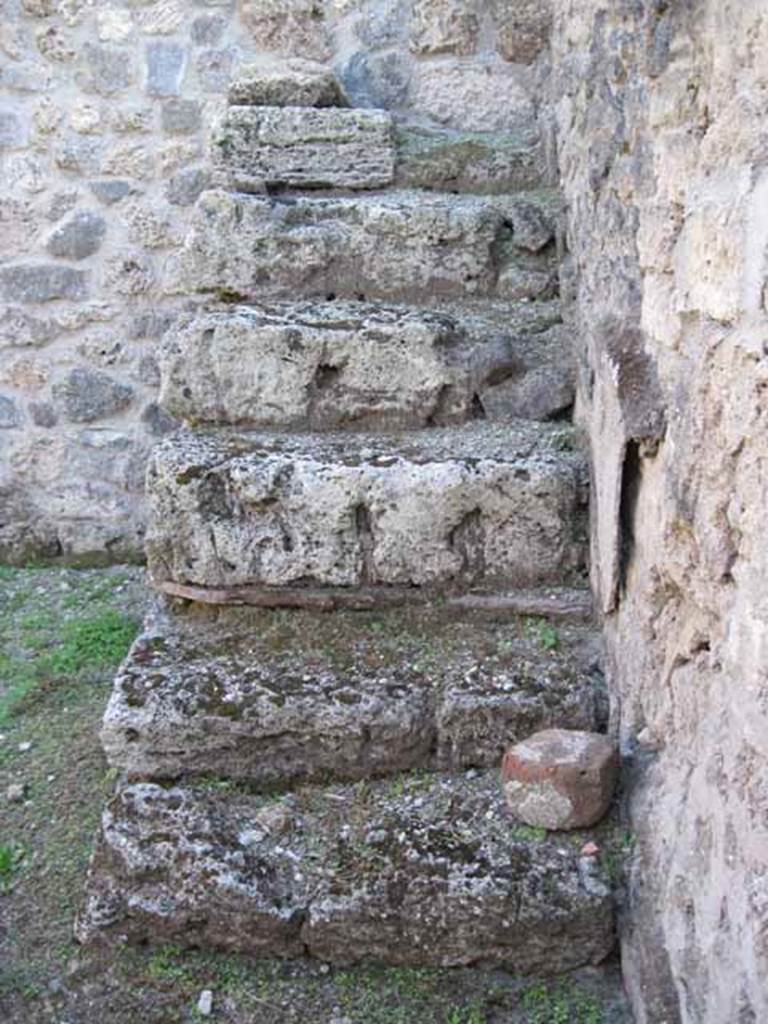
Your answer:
<point x="11" y="860"/>
<point x="543" y="633"/>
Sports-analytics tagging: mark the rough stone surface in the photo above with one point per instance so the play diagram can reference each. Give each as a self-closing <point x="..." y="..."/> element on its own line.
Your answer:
<point x="560" y="778"/>
<point x="292" y="83"/>
<point x="467" y="161"/>
<point x="524" y="27"/>
<point x="303" y="147"/>
<point x="449" y="508"/>
<point x="432" y="877"/>
<point x="346" y="364"/>
<point x="476" y="96"/>
<point x="666" y="189"/>
<point x="444" y="26"/>
<point x="252" y="695"/>
<point x="79" y="237"/>
<point x="407" y="246"/>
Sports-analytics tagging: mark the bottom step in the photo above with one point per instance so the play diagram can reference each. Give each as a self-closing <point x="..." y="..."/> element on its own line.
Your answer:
<point x="420" y="870"/>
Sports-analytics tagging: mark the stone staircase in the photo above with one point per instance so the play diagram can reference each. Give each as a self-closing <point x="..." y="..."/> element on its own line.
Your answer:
<point x="360" y="542"/>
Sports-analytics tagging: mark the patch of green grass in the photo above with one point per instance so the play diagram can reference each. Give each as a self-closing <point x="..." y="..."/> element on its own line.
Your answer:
<point x="51" y="659"/>
<point x="93" y="642"/>
<point x="529" y="833"/>
<point x="466" y="1015"/>
<point x="543" y="633"/>
<point x="563" y="1004"/>
<point x="12" y="856"/>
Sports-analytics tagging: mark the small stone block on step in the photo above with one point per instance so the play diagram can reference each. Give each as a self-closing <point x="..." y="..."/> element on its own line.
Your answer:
<point x="560" y="779"/>
<point x="294" y="83"/>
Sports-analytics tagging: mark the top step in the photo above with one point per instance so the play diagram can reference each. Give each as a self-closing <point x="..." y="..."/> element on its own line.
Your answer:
<point x="291" y="83"/>
<point x="259" y="148"/>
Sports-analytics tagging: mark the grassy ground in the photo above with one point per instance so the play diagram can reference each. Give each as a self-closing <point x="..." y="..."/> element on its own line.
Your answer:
<point x="62" y="633"/>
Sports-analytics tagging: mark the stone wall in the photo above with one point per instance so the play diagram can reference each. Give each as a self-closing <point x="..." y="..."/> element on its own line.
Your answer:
<point x="105" y="117"/>
<point x="661" y="116"/>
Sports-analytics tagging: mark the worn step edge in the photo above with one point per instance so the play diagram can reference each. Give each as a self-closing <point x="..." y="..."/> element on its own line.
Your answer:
<point x="434" y="875"/>
<point x="276" y="699"/>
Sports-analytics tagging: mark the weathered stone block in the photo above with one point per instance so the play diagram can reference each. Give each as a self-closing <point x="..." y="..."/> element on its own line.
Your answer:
<point x="476" y="96"/>
<point x="523" y="28"/>
<point x="345" y="364"/>
<point x="87" y="395"/>
<point x="321" y="365"/>
<point x="483" y="162"/>
<point x="79" y="237"/>
<point x="430" y="877"/>
<point x="293" y="83"/>
<point x="252" y="695"/>
<point x="559" y="779"/>
<point x="447" y="508"/>
<point x="444" y="26"/>
<point x="289" y="27"/>
<point x="402" y="246"/>
<point x="304" y="147"/>
<point x="41" y="282"/>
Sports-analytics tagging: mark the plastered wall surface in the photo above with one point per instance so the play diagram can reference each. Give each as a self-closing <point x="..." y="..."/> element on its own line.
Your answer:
<point x="660" y="113"/>
<point x="106" y="111"/>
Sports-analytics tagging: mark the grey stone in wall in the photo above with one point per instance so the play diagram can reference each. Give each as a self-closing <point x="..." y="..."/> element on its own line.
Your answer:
<point x="13" y="134"/>
<point x="79" y="237"/>
<point x="41" y="282"/>
<point x="9" y="413"/>
<point x="110" y="192"/>
<point x="86" y="395"/>
<point x="111" y="70"/>
<point x="165" y="68"/>
<point x="303" y="147"/>
<point x="181" y="117"/>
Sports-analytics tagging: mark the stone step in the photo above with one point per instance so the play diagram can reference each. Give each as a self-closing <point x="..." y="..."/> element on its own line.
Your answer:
<point x="335" y="365"/>
<point x="255" y="149"/>
<point x="448" y="509"/>
<point x="276" y="698"/>
<point x="401" y="246"/>
<point x="421" y="871"/>
<point x="454" y="161"/>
